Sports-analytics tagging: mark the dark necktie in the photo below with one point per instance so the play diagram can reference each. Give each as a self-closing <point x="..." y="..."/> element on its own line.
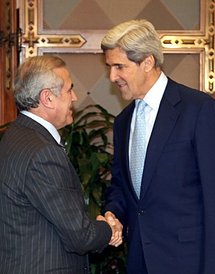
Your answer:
<point x="62" y="145"/>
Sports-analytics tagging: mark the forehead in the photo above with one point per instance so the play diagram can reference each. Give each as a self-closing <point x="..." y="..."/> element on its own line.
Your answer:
<point x="64" y="74"/>
<point x="115" y="56"/>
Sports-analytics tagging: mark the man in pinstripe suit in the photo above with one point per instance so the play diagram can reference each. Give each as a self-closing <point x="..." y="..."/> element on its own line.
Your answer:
<point x="44" y="227"/>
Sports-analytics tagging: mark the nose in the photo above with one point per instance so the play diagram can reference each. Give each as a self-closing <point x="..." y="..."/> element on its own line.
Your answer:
<point x="113" y="74"/>
<point x="74" y="97"/>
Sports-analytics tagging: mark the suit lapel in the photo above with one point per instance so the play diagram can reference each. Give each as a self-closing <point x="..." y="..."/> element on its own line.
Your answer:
<point x="166" y="118"/>
<point x="124" y="133"/>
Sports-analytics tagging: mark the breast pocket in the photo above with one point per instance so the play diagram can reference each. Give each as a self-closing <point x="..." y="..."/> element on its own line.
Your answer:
<point x="179" y="146"/>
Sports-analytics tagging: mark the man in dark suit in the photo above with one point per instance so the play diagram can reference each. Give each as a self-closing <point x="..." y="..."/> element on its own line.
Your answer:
<point x="169" y="216"/>
<point x="44" y="226"/>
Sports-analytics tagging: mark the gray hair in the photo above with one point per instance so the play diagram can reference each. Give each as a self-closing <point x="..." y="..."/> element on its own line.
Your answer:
<point x="34" y="75"/>
<point x="137" y="38"/>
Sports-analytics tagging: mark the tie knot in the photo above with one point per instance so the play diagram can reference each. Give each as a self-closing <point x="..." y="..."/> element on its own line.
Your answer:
<point x="141" y="104"/>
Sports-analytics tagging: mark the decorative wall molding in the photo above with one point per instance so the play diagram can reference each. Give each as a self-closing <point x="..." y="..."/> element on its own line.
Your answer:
<point x="202" y="42"/>
<point x="37" y="41"/>
<point x="33" y="37"/>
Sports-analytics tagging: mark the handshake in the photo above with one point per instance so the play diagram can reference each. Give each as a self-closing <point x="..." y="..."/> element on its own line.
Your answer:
<point x="115" y="225"/>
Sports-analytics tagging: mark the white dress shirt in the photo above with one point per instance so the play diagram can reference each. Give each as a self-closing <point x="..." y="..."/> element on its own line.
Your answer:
<point x="153" y="99"/>
<point x="53" y="131"/>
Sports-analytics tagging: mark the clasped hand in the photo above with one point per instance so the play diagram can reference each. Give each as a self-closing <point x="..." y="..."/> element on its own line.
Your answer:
<point x="115" y="225"/>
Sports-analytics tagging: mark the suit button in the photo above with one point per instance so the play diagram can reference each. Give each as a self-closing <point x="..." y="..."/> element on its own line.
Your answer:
<point x="141" y="212"/>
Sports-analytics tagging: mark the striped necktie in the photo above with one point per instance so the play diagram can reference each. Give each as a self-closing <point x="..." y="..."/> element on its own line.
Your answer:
<point x="138" y="147"/>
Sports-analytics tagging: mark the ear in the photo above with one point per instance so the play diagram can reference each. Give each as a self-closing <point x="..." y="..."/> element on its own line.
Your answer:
<point x="47" y="98"/>
<point x="149" y="63"/>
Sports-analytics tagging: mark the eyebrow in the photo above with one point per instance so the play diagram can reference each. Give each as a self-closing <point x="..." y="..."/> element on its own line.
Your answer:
<point x="114" y="65"/>
<point x="71" y="87"/>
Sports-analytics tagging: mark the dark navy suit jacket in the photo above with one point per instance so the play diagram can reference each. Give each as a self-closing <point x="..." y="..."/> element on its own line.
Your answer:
<point x="173" y="223"/>
<point x="44" y="225"/>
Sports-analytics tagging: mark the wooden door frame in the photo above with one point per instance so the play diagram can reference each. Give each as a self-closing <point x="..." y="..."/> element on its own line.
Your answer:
<point x="8" y="59"/>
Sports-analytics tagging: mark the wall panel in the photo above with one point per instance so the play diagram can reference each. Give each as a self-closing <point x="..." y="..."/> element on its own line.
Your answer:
<point x="74" y="32"/>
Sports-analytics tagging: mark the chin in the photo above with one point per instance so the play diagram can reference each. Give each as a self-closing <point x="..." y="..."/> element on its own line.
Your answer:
<point x="127" y="97"/>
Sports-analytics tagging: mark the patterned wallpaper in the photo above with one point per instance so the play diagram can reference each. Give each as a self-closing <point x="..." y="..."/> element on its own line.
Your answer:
<point x="103" y="14"/>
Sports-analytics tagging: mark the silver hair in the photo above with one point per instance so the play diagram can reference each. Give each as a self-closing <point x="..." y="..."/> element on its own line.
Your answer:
<point x="34" y="75"/>
<point x="138" y="38"/>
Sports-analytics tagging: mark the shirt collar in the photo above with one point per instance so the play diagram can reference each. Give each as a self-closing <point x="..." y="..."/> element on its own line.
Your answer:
<point x="52" y="130"/>
<point x="155" y="94"/>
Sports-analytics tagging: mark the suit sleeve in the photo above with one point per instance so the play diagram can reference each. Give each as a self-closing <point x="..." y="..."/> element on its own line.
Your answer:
<point x="53" y="187"/>
<point x="205" y="141"/>
<point x="115" y="199"/>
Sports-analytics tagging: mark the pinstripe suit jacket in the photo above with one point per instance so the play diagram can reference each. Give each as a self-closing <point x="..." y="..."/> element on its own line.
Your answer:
<point x="44" y="227"/>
